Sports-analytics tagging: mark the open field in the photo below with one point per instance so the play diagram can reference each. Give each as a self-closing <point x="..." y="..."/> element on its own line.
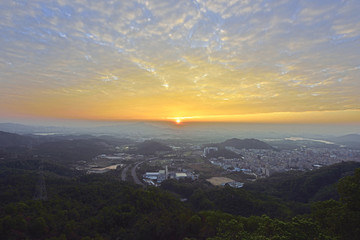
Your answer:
<point x="217" y="181"/>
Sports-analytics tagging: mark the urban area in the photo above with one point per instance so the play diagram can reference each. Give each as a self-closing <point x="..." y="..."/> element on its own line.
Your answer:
<point x="219" y="165"/>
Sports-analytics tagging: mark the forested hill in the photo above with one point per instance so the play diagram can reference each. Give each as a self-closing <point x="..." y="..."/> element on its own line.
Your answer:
<point x="348" y="138"/>
<point x="11" y="139"/>
<point x="150" y="147"/>
<point x="305" y="187"/>
<point x="71" y="151"/>
<point x="102" y="207"/>
<point x="246" y="144"/>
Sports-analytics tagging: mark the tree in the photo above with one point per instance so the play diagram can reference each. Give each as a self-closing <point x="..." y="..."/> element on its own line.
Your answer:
<point x="38" y="227"/>
<point x="349" y="190"/>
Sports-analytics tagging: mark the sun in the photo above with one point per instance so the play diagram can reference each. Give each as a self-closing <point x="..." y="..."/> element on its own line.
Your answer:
<point x="178" y="121"/>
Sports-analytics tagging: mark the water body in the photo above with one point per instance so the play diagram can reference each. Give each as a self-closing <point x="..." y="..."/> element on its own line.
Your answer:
<point x="307" y="139"/>
<point x="45" y="134"/>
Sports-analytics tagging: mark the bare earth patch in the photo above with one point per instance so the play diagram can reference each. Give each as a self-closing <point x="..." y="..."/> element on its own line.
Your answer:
<point x="217" y="181"/>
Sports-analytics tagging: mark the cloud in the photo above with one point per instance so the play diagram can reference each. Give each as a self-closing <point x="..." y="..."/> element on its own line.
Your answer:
<point x="227" y="56"/>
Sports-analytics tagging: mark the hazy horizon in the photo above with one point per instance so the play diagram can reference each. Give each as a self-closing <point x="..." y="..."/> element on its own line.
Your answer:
<point x="199" y="130"/>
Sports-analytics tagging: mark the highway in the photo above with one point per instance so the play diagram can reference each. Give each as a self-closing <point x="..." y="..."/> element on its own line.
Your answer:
<point x="133" y="171"/>
<point x="133" y="174"/>
<point x="124" y="173"/>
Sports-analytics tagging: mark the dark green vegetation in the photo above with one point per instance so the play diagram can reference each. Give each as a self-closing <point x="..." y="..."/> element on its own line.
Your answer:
<point x="102" y="207"/>
<point x="62" y="149"/>
<point x="305" y="187"/>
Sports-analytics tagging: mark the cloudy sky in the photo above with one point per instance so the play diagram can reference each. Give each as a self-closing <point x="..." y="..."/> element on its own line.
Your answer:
<point x="216" y="60"/>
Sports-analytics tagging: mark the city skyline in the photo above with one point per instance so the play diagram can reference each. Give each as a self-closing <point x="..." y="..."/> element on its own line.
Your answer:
<point x="222" y="61"/>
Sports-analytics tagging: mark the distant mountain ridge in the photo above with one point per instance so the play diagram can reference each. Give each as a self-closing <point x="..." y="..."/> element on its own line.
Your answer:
<point x="28" y="129"/>
<point x="12" y="139"/>
<point x="121" y="128"/>
<point x="349" y="138"/>
<point x="248" y="143"/>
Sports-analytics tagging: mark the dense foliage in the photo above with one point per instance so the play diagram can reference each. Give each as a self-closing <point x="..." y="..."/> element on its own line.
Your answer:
<point x="70" y="151"/>
<point x="305" y="187"/>
<point x="102" y="207"/>
<point x="150" y="147"/>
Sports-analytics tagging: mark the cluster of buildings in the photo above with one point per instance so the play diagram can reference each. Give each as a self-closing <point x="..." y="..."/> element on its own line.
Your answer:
<point x="156" y="178"/>
<point x="234" y="184"/>
<point x="263" y="163"/>
<point x="256" y="163"/>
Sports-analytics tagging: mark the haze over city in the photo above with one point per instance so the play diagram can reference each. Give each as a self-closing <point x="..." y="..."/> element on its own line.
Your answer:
<point x="223" y="61"/>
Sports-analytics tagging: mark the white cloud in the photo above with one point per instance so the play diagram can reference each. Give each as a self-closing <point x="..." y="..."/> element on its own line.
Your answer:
<point x="235" y="48"/>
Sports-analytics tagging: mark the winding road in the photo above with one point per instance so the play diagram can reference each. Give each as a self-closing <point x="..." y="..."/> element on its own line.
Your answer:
<point x="133" y="174"/>
<point x="133" y="171"/>
<point x="124" y="173"/>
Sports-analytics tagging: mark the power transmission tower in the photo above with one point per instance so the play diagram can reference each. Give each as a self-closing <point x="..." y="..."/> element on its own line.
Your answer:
<point x="40" y="191"/>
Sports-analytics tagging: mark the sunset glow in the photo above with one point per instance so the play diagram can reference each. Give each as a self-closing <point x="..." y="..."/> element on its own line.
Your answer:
<point x="220" y="60"/>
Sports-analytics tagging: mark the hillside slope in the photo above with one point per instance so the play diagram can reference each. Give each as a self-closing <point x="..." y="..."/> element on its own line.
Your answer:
<point x="305" y="187"/>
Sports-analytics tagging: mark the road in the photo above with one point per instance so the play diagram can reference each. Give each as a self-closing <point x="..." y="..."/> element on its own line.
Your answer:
<point x="133" y="171"/>
<point x="124" y="172"/>
<point x="133" y="174"/>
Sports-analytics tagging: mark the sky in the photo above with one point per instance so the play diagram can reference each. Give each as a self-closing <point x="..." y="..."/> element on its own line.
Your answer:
<point x="282" y="61"/>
